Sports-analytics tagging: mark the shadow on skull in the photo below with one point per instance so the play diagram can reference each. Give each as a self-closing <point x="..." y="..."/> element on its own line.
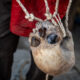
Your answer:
<point x="52" y="53"/>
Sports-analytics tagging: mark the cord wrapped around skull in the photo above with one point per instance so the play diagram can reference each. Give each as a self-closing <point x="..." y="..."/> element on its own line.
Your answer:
<point x="52" y="53"/>
<point x="51" y="43"/>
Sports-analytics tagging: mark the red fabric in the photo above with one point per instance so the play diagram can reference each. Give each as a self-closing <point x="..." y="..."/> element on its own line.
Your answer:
<point x="22" y="27"/>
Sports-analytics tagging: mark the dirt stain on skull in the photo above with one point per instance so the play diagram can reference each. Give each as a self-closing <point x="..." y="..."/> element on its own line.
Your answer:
<point x="35" y="41"/>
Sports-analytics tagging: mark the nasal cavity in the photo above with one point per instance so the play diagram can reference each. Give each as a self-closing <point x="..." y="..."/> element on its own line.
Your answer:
<point x="52" y="38"/>
<point x="42" y="32"/>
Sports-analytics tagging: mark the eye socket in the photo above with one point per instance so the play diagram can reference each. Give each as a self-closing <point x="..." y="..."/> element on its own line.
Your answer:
<point x="52" y="38"/>
<point x="35" y="41"/>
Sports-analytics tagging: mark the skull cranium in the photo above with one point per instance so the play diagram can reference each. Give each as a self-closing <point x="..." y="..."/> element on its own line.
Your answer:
<point x="52" y="53"/>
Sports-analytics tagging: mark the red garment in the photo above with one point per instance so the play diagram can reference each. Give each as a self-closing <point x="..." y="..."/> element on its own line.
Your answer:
<point x="22" y="27"/>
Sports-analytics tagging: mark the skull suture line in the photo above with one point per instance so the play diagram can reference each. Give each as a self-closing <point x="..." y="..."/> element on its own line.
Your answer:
<point x="51" y="44"/>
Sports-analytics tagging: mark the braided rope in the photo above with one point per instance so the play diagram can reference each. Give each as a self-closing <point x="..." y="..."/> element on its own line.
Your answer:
<point x="28" y="16"/>
<point x="57" y="6"/>
<point x="55" y="15"/>
<point x="48" y="15"/>
<point x="67" y="13"/>
<point x="61" y="24"/>
<point x="47" y="7"/>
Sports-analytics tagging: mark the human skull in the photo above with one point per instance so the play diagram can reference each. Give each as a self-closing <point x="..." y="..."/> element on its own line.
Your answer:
<point x="52" y="53"/>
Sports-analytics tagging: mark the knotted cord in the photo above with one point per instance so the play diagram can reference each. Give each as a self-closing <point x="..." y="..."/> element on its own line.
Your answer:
<point x="48" y="15"/>
<point x="57" y="6"/>
<point x="55" y="15"/>
<point x="67" y="13"/>
<point x="28" y="16"/>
